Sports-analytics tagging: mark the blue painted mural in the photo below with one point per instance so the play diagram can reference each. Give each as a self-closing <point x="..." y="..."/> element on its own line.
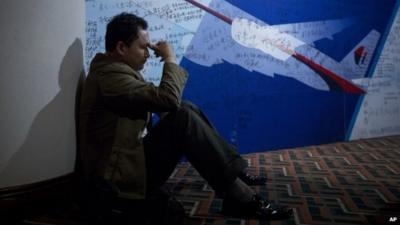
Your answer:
<point x="272" y="74"/>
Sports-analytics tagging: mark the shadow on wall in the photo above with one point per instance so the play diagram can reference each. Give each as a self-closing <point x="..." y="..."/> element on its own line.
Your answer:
<point x="49" y="149"/>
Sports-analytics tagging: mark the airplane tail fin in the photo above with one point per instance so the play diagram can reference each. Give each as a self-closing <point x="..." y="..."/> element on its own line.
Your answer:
<point x="361" y="55"/>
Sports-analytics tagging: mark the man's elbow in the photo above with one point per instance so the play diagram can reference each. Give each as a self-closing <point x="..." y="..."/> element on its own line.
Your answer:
<point x="168" y="103"/>
<point x="174" y="103"/>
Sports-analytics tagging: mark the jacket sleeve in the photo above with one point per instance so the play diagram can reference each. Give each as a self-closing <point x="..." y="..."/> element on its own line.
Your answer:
<point x="125" y="93"/>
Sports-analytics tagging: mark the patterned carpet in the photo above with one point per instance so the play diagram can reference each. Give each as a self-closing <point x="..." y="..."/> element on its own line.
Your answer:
<point x="347" y="183"/>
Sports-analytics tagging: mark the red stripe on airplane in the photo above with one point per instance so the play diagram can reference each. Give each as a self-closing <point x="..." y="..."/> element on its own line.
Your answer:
<point x="342" y="83"/>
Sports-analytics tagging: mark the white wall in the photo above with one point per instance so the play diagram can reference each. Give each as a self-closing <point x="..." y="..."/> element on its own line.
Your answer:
<point x="41" y="59"/>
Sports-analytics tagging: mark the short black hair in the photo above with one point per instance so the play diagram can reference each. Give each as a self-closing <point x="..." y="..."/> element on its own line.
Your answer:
<point x="123" y="27"/>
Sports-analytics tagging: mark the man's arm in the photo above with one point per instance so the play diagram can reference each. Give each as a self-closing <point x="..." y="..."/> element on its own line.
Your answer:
<point x="124" y="93"/>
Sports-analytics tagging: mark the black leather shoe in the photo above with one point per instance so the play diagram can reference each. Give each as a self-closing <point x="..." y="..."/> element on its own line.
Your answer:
<point x="253" y="179"/>
<point x="257" y="208"/>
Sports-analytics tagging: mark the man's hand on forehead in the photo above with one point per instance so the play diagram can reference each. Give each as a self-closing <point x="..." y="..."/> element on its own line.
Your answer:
<point x="163" y="49"/>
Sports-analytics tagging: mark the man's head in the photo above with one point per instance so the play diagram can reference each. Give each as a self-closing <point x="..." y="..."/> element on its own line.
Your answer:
<point x="127" y="38"/>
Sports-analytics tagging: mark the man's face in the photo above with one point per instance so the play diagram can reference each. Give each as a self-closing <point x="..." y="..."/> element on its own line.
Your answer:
<point x="137" y="53"/>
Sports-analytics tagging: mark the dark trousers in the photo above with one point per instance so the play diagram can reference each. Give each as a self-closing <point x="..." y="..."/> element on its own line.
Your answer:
<point x="187" y="132"/>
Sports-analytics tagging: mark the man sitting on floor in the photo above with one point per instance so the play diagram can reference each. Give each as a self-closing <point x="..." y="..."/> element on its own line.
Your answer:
<point x="120" y="146"/>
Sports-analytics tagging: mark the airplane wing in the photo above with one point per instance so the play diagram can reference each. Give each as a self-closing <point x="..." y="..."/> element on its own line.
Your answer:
<point x="265" y="38"/>
<point x="310" y="32"/>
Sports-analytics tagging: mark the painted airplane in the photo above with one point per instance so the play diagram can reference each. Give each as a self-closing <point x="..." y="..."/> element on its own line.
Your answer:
<point x="230" y="34"/>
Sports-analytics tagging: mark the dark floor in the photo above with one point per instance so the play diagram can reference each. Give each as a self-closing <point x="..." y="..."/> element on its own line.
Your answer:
<point x="355" y="182"/>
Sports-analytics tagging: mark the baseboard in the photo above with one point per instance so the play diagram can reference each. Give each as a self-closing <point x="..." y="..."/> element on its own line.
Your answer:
<point x="31" y="195"/>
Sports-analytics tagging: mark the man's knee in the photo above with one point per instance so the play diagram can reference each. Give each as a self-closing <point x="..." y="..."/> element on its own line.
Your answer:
<point x="186" y="113"/>
<point x="187" y="105"/>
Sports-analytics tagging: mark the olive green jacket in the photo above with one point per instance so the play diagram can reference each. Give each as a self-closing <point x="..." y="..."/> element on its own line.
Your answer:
<point x="115" y="108"/>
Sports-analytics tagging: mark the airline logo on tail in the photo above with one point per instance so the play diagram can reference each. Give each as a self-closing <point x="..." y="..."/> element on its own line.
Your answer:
<point x="359" y="55"/>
